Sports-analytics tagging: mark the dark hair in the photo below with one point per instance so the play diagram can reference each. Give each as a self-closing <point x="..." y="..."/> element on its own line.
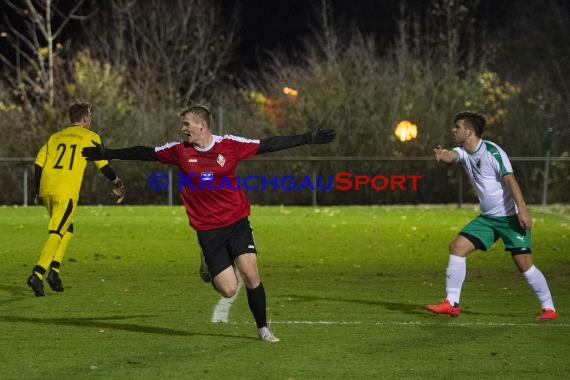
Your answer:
<point x="78" y="110"/>
<point x="200" y="111"/>
<point x="474" y="120"/>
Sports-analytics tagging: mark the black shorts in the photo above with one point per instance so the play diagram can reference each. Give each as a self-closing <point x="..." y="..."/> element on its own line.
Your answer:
<point x="222" y="245"/>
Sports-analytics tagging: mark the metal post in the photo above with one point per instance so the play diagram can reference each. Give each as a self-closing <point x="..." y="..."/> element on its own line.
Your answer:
<point x="548" y="146"/>
<point x="25" y="187"/>
<point x="545" y="179"/>
<point x="170" y="186"/>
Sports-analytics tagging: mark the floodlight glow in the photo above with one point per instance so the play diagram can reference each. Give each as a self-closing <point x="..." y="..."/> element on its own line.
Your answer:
<point x="290" y="91"/>
<point x="406" y="131"/>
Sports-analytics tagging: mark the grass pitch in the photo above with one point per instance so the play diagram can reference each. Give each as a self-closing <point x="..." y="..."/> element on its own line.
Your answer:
<point x="346" y="288"/>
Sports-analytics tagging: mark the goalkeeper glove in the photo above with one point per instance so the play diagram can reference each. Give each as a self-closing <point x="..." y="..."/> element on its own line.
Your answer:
<point x="321" y="136"/>
<point x="119" y="190"/>
<point x="95" y="153"/>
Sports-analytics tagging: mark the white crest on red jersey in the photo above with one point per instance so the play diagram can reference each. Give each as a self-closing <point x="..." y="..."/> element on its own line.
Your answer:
<point x="221" y="160"/>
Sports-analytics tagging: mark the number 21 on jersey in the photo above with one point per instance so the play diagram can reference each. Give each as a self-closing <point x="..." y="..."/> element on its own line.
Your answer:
<point x="61" y="161"/>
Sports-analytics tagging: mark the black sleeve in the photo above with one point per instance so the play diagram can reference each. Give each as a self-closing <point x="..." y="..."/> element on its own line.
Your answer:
<point x="37" y="178"/>
<point x="108" y="172"/>
<point x="140" y="153"/>
<point x="275" y="143"/>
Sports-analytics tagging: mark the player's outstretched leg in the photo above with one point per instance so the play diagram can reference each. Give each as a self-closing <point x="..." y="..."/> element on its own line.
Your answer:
<point x="539" y="285"/>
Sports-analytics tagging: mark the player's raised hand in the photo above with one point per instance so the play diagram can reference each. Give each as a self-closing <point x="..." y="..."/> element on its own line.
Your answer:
<point x="95" y="153"/>
<point x="437" y="153"/>
<point x="322" y="136"/>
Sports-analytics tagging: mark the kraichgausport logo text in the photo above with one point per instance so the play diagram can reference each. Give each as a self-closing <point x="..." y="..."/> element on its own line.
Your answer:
<point x="342" y="181"/>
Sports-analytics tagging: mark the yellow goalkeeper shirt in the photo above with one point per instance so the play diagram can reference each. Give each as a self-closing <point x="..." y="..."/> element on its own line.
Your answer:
<point x="62" y="163"/>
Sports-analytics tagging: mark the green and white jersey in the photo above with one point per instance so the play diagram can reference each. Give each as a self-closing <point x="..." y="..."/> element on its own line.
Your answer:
<point x="486" y="168"/>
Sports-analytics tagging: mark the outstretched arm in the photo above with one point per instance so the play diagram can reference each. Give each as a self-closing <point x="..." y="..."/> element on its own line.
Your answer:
<point x="524" y="218"/>
<point x="316" y="136"/>
<point x="99" y="152"/>
<point x="445" y="155"/>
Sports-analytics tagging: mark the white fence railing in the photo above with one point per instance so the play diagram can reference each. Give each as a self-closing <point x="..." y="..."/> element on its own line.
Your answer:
<point x="26" y="165"/>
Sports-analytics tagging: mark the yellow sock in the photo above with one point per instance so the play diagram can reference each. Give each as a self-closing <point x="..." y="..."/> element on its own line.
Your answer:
<point x="48" y="250"/>
<point x="61" y="249"/>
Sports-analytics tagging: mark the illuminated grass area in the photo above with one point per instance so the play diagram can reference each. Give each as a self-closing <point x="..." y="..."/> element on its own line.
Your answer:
<point x="346" y="288"/>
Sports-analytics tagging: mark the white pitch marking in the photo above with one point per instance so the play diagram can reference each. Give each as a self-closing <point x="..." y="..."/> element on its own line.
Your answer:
<point x="222" y="309"/>
<point x="463" y="324"/>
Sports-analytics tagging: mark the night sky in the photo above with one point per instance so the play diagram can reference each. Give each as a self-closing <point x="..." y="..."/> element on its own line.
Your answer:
<point x="269" y="25"/>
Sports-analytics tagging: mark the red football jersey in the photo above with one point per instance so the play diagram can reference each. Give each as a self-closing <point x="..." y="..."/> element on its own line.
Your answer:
<point x="207" y="179"/>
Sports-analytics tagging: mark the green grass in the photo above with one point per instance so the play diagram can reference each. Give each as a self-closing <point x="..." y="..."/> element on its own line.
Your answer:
<point x="135" y="308"/>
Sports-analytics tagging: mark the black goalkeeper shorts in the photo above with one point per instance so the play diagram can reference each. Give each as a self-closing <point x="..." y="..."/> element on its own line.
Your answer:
<point x="222" y="245"/>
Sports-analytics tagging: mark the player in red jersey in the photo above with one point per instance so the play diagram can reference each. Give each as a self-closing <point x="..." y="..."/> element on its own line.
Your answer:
<point x="216" y="206"/>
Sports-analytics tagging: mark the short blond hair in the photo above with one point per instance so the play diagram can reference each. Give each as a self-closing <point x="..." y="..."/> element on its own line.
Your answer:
<point x="201" y="112"/>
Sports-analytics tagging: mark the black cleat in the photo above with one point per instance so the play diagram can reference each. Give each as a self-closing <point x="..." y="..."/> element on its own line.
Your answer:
<point x="36" y="284"/>
<point x="54" y="281"/>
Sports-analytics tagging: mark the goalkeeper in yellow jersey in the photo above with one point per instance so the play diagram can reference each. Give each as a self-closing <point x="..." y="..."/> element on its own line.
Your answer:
<point x="59" y="169"/>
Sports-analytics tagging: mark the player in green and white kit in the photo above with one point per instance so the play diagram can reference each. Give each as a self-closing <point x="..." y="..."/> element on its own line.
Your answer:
<point x="503" y="214"/>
